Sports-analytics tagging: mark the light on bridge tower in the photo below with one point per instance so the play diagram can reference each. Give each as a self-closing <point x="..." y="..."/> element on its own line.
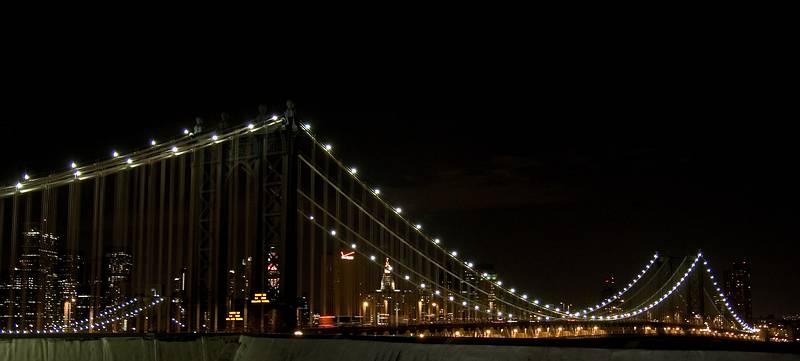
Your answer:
<point x="273" y="274"/>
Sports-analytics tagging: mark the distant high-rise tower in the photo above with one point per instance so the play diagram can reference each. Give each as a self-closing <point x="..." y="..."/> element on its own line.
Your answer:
<point x="737" y="286"/>
<point x="70" y="272"/>
<point x="118" y="286"/>
<point x="387" y="282"/>
<point x="179" y="299"/>
<point x="489" y="276"/>
<point x="469" y="285"/>
<point x="35" y="281"/>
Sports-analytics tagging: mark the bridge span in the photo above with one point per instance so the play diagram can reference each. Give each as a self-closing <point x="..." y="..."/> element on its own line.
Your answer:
<point x="260" y="228"/>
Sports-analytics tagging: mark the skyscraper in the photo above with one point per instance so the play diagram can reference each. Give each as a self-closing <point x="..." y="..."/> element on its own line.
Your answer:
<point x="489" y="276"/>
<point x="737" y="287"/>
<point x="70" y="272"/>
<point x="34" y="281"/>
<point x="118" y="278"/>
<point x="179" y="299"/>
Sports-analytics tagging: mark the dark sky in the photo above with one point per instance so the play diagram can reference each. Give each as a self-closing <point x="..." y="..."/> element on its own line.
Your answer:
<point x="560" y="165"/>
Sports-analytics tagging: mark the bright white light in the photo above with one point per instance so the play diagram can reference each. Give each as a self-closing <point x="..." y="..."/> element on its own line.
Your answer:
<point x="524" y="297"/>
<point x="311" y="217"/>
<point x="436" y="240"/>
<point x="19" y="185"/>
<point x="174" y="149"/>
<point x="274" y="117"/>
<point x="77" y="173"/>
<point x="214" y="137"/>
<point x="513" y="290"/>
<point x="353" y="170"/>
<point x="450" y="298"/>
<point x="152" y="142"/>
<point x="477" y="308"/>
<point x="437" y="292"/>
<point x="499" y="283"/>
<point x="353" y="246"/>
<point x="377" y="191"/>
<point x="328" y="147"/>
<point x="129" y="161"/>
<point x="250" y="126"/>
<point x="73" y="165"/>
<point x="307" y="126"/>
<point x="421" y="285"/>
<point x="469" y="264"/>
<point x="185" y="131"/>
<point x="298" y="333"/>
<point x="114" y="154"/>
<point x="372" y="257"/>
<point x="398" y="210"/>
<point x="546" y="306"/>
<point x="408" y="277"/>
<point x="418" y="226"/>
<point x="26" y="176"/>
<point x="499" y="313"/>
<point x="454" y="253"/>
<point x="333" y="232"/>
<point x="463" y="303"/>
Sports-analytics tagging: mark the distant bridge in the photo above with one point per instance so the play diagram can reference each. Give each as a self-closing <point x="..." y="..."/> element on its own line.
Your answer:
<point x="261" y="228"/>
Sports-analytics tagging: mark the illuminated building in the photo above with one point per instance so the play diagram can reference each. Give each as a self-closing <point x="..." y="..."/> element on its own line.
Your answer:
<point x="776" y="330"/>
<point x="737" y="287"/>
<point x="71" y="272"/>
<point x="303" y="312"/>
<point x="118" y="277"/>
<point x="389" y="305"/>
<point x="489" y="276"/>
<point x="231" y="290"/>
<point x="179" y="285"/>
<point x="34" y="282"/>
<point x="387" y="282"/>
<point x="469" y="287"/>
<point x="239" y="290"/>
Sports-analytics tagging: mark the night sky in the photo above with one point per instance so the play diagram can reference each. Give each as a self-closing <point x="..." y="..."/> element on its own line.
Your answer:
<point x="559" y="169"/>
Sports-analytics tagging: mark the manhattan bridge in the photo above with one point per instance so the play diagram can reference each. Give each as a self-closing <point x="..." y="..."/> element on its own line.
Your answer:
<point x="260" y="228"/>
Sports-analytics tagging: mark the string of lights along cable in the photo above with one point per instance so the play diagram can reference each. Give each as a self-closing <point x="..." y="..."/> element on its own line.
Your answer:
<point x="260" y="226"/>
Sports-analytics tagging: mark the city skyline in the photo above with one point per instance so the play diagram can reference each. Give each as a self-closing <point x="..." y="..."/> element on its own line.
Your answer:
<point x="49" y="285"/>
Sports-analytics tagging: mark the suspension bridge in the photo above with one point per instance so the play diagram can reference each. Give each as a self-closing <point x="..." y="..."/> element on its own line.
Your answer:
<point x="261" y="228"/>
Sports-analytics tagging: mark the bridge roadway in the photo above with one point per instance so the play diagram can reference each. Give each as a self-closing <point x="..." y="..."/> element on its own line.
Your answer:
<point x="535" y="329"/>
<point x="89" y="347"/>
